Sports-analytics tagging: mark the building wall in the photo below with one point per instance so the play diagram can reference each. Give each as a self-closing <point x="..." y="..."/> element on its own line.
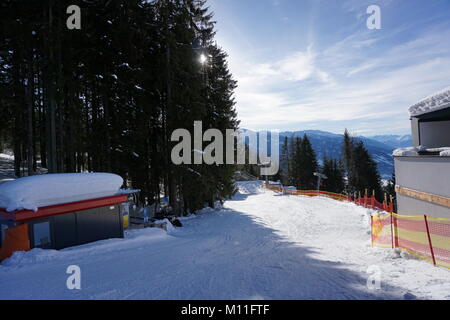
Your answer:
<point x="414" y="207"/>
<point x="415" y="131"/>
<point x="429" y="174"/>
<point x="76" y="228"/>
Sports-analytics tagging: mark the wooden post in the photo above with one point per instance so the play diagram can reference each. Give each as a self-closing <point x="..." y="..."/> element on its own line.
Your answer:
<point x="395" y="231"/>
<point x="429" y="239"/>
<point x="391" y="205"/>
<point x="385" y="202"/>
<point x="365" y="198"/>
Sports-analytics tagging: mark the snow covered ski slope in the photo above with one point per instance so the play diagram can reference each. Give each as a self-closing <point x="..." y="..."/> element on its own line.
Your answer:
<point x="260" y="245"/>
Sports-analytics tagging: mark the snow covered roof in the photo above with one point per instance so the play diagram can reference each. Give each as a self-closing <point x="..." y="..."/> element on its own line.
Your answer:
<point x="435" y="102"/>
<point x="415" y="151"/>
<point x="51" y="189"/>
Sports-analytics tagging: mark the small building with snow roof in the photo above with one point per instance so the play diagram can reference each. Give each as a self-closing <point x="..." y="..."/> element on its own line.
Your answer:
<point x="423" y="170"/>
<point x="56" y="211"/>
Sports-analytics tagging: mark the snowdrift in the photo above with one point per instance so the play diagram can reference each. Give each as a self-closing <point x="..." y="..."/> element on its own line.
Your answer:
<point x="435" y="102"/>
<point x="249" y="187"/>
<point x="51" y="189"/>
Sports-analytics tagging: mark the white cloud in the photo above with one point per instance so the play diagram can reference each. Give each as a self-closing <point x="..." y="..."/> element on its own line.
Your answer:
<point x="362" y="81"/>
<point x="298" y="66"/>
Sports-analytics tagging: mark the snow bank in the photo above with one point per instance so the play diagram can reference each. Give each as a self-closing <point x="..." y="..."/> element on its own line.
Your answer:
<point x="166" y="225"/>
<point x="435" y="102"/>
<point x="249" y="187"/>
<point x="7" y="156"/>
<point x="50" y="189"/>
<point x="405" y="152"/>
<point x="23" y="258"/>
<point x="414" y="151"/>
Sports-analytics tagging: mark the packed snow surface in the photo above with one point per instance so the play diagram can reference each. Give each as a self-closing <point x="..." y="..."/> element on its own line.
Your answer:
<point x="260" y="245"/>
<point x="50" y="189"/>
<point x="435" y="102"/>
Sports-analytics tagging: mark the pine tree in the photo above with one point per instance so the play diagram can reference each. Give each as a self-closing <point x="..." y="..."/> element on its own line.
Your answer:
<point x="389" y="189"/>
<point x="284" y="162"/>
<point x="365" y="174"/>
<point x="307" y="165"/>
<point x="107" y="98"/>
<point x="295" y="162"/>
<point x="335" y="177"/>
<point x="347" y="161"/>
<point x="390" y="186"/>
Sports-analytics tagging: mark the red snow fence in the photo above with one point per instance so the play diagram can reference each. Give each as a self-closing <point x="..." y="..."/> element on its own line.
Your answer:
<point x="425" y="237"/>
<point x="365" y="201"/>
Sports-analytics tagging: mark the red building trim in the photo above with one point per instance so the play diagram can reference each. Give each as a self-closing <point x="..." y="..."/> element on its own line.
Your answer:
<point x="43" y="212"/>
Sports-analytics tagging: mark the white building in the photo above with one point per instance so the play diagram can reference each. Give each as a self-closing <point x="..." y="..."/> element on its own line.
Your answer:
<point x="423" y="171"/>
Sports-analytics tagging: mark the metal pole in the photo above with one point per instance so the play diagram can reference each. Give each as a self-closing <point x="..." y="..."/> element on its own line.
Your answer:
<point x="371" y="229"/>
<point x="392" y="232"/>
<point x="429" y="239"/>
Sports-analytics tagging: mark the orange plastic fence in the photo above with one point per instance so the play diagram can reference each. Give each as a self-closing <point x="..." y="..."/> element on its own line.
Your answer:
<point x="368" y="202"/>
<point x="425" y="237"/>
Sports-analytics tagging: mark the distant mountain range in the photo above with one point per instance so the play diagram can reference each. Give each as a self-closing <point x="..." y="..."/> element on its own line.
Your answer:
<point x="329" y="144"/>
<point x="394" y="141"/>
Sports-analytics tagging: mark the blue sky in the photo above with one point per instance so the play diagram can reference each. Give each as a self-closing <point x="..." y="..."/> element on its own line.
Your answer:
<point x="314" y="64"/>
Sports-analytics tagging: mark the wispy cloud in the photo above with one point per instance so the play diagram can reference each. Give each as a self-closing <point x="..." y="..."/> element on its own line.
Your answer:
<point x="297" y="66"/>
<point x="362" y="80"/>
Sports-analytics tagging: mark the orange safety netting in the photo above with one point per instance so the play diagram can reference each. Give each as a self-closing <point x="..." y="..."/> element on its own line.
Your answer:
<point x="382" y="231"/>
<point x="368" y="202"/>
<point x="425" y="237"/>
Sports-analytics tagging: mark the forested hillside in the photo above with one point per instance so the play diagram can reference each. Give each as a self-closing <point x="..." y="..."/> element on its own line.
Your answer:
<point x="107" y="97"/>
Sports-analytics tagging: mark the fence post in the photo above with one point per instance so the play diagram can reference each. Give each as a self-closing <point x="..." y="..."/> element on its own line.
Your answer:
<point x="395" y="232"/>
<point x="371" y="229"/>
<point x="373" y="199"/>
<point x="365" y="198"/>
<point x="392" y="231"/>
<point x="429" y="239"/>
<point x="385" y="202"/>
<point x="391" y="205"/>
